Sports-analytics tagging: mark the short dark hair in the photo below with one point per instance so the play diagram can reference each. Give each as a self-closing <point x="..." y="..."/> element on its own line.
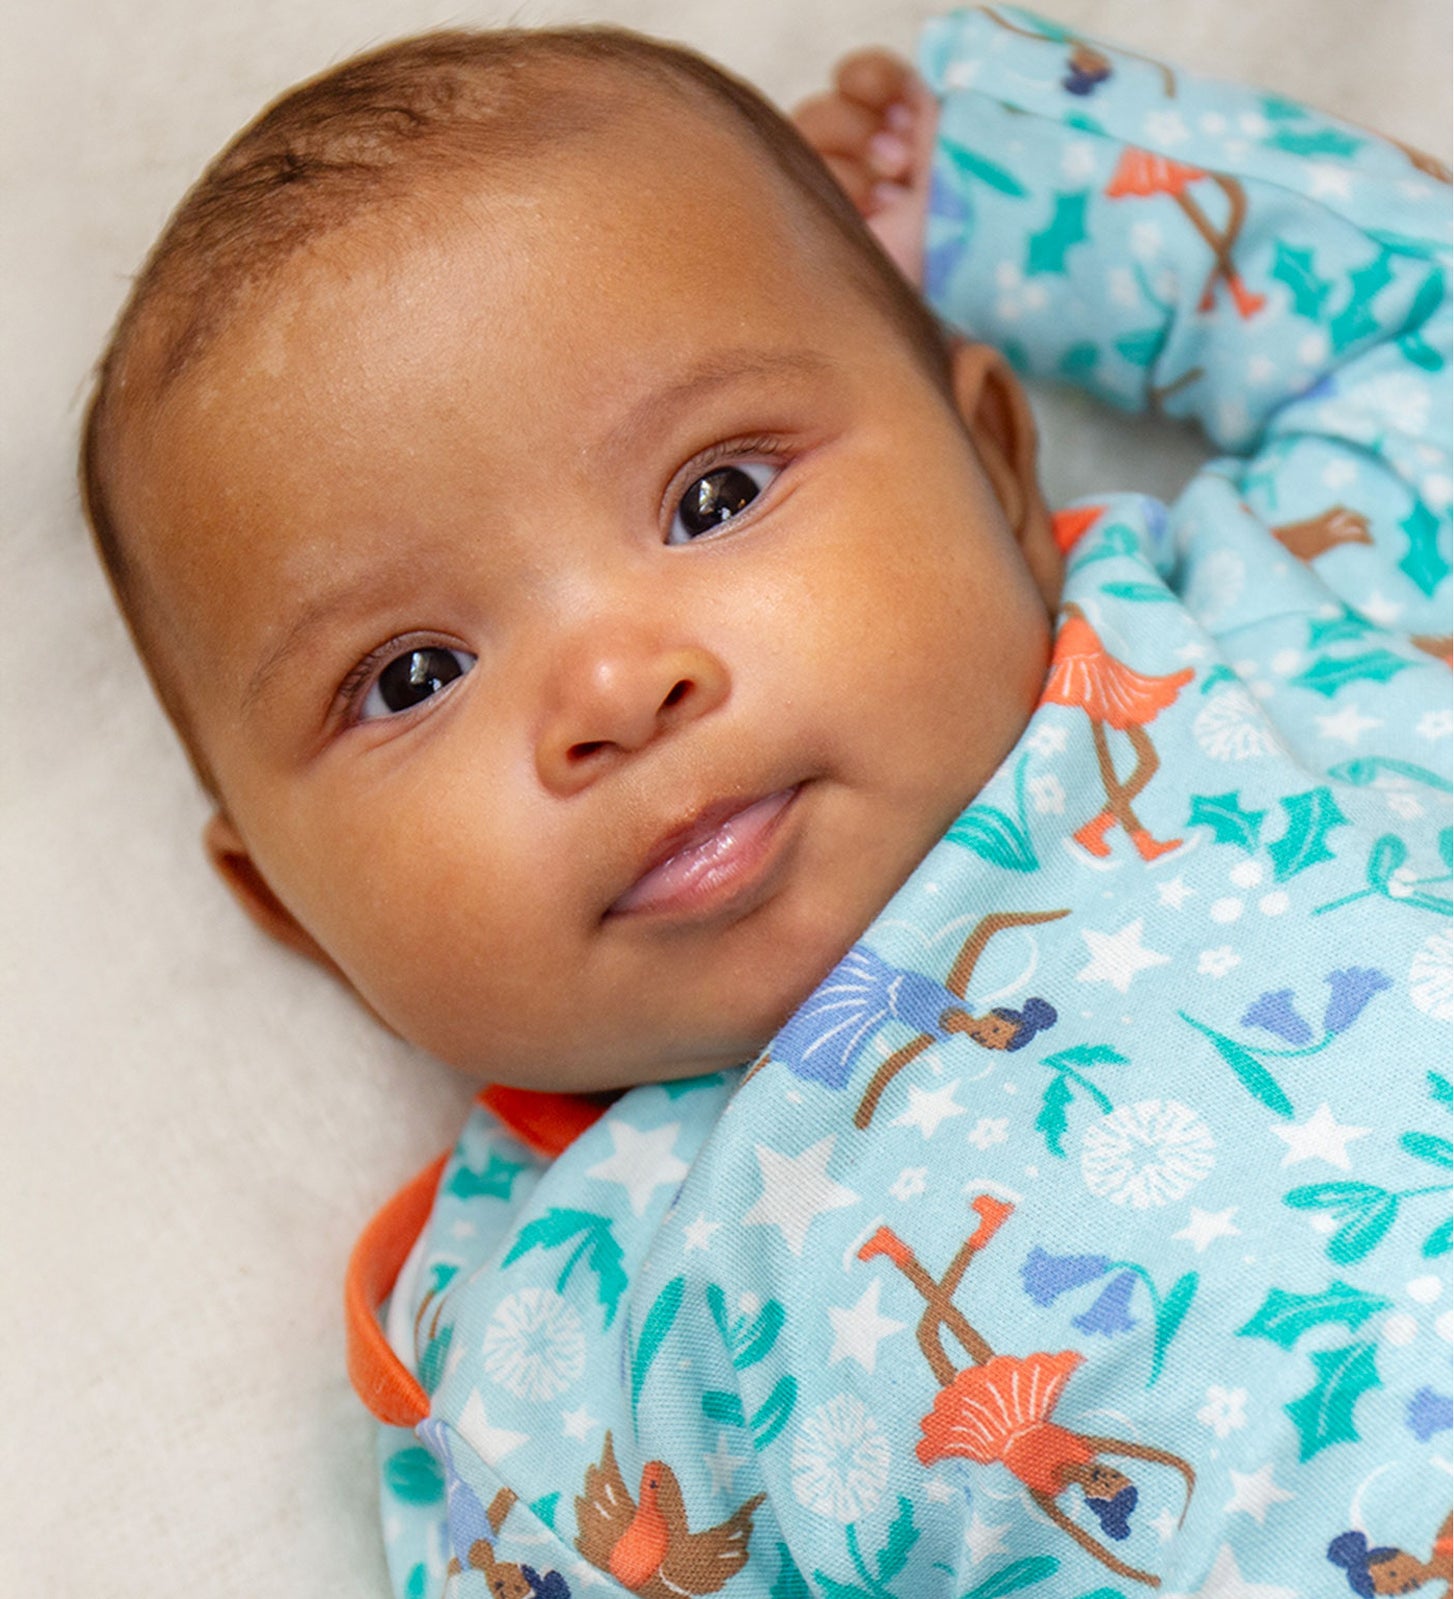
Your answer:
<point x="353" y="141"/>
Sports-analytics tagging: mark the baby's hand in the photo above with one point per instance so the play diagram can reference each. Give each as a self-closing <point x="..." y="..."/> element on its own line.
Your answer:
<point x="875" y="129"/>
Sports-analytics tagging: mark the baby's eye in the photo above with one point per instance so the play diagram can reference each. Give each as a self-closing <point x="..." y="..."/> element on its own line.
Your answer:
<point x="717" y="496"/>
<point x="413" y="676"/>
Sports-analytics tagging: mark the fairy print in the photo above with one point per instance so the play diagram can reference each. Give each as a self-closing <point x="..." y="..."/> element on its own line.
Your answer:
<point x="1000" y="1408"/>
<point x="1085" y="676"/>
<point x="1385" y="1569"/>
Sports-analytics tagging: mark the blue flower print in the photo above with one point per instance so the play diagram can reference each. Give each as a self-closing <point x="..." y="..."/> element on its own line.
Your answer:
<point x="1110" y="1314"/>
<point x="1276" y="1013"/>
<point x="1048" y="1276"/>
<point x="1429" y="1412"/>
<point x="1351" y="989"/>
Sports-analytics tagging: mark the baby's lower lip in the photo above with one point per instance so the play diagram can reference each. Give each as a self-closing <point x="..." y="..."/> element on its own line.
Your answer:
<point x="710" y="870"/>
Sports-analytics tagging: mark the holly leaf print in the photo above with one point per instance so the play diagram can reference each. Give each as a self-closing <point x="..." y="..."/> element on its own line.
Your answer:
<point x="494" y="1182"/>
<point x="1328" y="673"/>
<point x="1321" y="140"/>
<point x="1422" y="564"/>
<point x="1310" y="818"/>
<point x="1052" y="1122"/>
<point x="1229" y="823"/>
<point x="1412" y="344"/>
<point x="1325" y="1414"/>
<point x="1142" y="348"/>
<point x="1147" y="593"/>
<point x="1283" y="1317"/>
<point x="1337" y="629"/>
<point x="974" y="165"/>
<point x="1356" y="320"/>
<point x="597" y="1246"/>
<point x="903" y="1535"/>
<point x="1046" y="250"/>
<point x="1295" y="269"/>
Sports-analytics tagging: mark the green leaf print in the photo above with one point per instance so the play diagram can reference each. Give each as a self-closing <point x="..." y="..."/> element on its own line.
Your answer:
<point x="1085" y="1055"/>
<point x="1441" y="1088"/>
<point x="1446" y="846"/>
<point x="1170" y="1314"/>
<point x="417" y="1584"/>
<point x="544" y="1508"/>
<point x="995" y="837"/>
<point x="1229" y="823"/>
<point x="1322" y="140"/>
<point x="772" y="1415"/>
<point x="726" y="1408"/>
<point x="790" y="1582"/>
<point x="1325" y="1414"/>
<point x="1310" y="818"/>
<point x="1018" y="1574"/>
<point x="1423" y="564"/>
<point x="1045" y="251"/>
<point x="903" y="1535"/>
<point x="1366" y="770"/>
<point x="1440" y="1241"/>
<point x="1328" y="674"/>
<point x="1146" y="593"/>
<point x="748" y="1339"/>
<point x="494" y="1182"/>
<point x="1251" y="1073"/>
<point x="1295" y="269"/>
<point x="413" y="1475"/>
<point x="1370" y="1210"/>
<point x="1427" y="1146"/>
<point x="1337" y="629"/>
<point x="1283" y="1317"/>
<point x="1141" y="349"/>
<point x="597" y="1246"/>
<point x="1356" y="320"/>
<point x="973" y="165"/>
<point x="1052" y="1121"/>
<point x="658" y="1324"/>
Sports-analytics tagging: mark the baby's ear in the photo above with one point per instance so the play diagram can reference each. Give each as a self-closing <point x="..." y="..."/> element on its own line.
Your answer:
<point x="995" y="411"/>
<point x="234" y="864"/>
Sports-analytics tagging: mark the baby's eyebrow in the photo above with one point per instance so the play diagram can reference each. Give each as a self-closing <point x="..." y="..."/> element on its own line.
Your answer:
<point x="649" y="415"/>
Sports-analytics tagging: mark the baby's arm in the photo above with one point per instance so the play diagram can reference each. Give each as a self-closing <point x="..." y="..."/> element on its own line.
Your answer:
<point x="1179" y="245"/>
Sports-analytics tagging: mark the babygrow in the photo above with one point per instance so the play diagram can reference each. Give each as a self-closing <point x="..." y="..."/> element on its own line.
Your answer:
<point x="1087" y="1230"/>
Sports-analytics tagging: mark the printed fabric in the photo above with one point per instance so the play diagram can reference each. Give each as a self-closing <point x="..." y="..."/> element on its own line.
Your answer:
<point x="1088" y="1231"/>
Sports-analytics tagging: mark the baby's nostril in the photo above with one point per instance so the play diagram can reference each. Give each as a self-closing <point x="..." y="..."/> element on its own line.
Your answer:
<point x="584" y="751"/>
<point x="679" y="692"/>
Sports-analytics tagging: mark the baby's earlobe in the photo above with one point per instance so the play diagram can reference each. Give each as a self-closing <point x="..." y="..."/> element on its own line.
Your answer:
<point x="233" y="863"/>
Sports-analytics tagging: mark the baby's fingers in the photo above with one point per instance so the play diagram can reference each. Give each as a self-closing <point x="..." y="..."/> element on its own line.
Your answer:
<point x="876" y="80"/>
<point x="853" y="139"/>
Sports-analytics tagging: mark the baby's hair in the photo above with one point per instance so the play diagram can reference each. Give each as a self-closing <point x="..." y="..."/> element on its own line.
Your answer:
<point x="353" y="142"/>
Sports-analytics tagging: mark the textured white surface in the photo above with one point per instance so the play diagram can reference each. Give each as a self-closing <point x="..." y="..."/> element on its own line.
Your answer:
<point x="195" y="1125"/>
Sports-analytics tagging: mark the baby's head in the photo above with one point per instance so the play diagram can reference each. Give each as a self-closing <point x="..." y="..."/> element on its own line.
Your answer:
<point x="584" y="579"/>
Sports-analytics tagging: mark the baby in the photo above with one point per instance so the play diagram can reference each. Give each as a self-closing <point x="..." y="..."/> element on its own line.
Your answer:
<point x="627" y="644"/>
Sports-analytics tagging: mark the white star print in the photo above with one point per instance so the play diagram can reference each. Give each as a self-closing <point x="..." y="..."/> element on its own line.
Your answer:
<point x="1379" y="608"/>
<point x="723" y="1465"/>
<point x="1225" y="1581"/>
<point x="857" y="1332"/>
<point x="698" y="1234"/>
<point x="1347" y="724"/>
<point x="1320" y="1137"/>
<point x="491" y="1444"/>
<point x="1174" y="893"/>
<point x="796" y="1189"/>
<point x="1329" y="182"/>
<point x="641" y="1162"/>
<point x="1255" y="1495"/>
<point x="1165" y="1524"/>
<point x="577" y="1423"/>
<point x="938" y="1492"/>
<point x="1205" y="1225"/>
<point x="1117" y="957"/>
<point x="983" y="1541"/>
<point x="927" y="1110"/>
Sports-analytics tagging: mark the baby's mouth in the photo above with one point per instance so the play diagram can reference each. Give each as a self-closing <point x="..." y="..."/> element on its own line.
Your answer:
<point x="719" y="855"/>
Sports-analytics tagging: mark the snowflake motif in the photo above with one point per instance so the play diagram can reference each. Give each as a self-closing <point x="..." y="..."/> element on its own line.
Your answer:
<point x="1048" y="794"/>
<point x="1225" y="1411"/>
<point x="1148" y="1154"/>
<point x="535" y="1345"/>
<point x="1165" y="128"/>
<point x="988" y="1131"/>
<point x="1218" y="962"/>
<point x="1431" y="976"/>
<point x="1048" y="741"/>
<point x="1146" y="241"/>
<point x="1435" y="724"/>
<point x="1230" y="727"/>
<point x="840" y="1461"/>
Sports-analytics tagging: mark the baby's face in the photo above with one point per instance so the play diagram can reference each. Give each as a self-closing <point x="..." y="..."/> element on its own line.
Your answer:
<point x="590" y="608"/>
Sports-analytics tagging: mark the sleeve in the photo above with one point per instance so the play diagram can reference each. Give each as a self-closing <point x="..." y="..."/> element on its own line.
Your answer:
<point x="1219" y="254"/>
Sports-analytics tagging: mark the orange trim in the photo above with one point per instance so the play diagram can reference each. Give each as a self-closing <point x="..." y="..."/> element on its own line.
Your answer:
<point x="379" y="1377"/>
<point x="1069" y="527"/>
<point x="547" y="1123"/>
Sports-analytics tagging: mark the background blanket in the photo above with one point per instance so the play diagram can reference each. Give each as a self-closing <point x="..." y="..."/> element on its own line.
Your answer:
<point x="196" y="1125"/>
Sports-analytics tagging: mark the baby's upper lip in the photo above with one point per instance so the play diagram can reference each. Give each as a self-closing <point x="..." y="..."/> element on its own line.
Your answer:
<point x="700" y="825"/>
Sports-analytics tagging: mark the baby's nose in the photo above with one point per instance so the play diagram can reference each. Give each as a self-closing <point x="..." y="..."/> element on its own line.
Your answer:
<point x="610" y="703"/>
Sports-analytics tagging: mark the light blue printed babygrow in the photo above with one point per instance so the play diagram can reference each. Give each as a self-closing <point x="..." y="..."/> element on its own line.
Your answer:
<point x="1088" y="1230"/>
